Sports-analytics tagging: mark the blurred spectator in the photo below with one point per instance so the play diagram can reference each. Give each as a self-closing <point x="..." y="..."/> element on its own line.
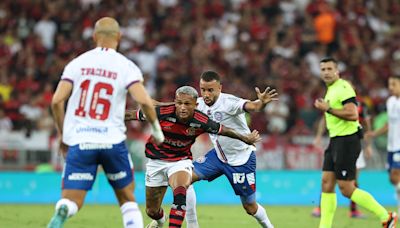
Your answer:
<point x="5" y="122"/>
<point x="277" y="113"/>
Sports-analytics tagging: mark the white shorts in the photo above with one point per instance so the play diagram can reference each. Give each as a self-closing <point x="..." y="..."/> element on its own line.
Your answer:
<point x="159" y="171"/>
<point x="360" y="163"/>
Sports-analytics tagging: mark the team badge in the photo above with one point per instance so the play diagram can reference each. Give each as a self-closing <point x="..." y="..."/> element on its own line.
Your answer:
<point x="218" y="116"/>
<point x="191" y="131"/>
<point x="201" y="159"/>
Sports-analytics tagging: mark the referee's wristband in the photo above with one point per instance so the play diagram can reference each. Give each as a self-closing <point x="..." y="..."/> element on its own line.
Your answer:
<point x="329" y="110"/>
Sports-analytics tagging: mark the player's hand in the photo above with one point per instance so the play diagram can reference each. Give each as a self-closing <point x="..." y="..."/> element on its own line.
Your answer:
<point x="252" y="138"/>
<point x="63" y="148"/>
<point x="267" y="96"/>
<point x="369" y="135"/>
<point x="368" y="151"/>
<point x="321" y="104"/>
<point x="317" y="142"/>
<point x="158" y="135"/>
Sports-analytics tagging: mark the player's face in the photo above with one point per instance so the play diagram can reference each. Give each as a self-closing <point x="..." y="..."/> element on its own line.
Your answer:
<point x="394" y="86"/>
<point x="210" y="91"/>
<point x="329" y="72"/>
<point x="185" y="106"/>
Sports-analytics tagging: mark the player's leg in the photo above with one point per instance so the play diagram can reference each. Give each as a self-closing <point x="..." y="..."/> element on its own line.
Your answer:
<point x="328" y="196"/>
<point x="179" y="178"/>
<point x="207" y="167"/>
<point x="347" y="152"/>
<point x="78" y="177"/>
<point x="156" y="185"/>
<point x="360" y="164"/>
<point x="394" y="173"/>
<point x="118" y="167"/>
<point x="243" y="181"/>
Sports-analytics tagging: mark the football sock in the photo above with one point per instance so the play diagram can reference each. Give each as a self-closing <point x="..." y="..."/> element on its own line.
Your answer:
<point x="262" y="217"/>
<point x="367" y="201"/>
<point x="353" y="206"/>
<point x="191" y="213"/>
<point x="131" y="215"/>
<point x="328" y="208"/>
<point x="71" y="205"/>
<point x="178" y="208"/>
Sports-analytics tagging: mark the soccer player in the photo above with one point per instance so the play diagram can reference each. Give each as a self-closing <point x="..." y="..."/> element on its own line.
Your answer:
<point x="171" y="162"/>
<point x="393" y="129"/>
<point x="363" y="117"/>
<point x="340" y="107"/>
<point x="92" y="129"/>
<point x="230" y="157"/>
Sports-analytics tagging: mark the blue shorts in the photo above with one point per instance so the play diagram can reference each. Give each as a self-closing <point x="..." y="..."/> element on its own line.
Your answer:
<point x="242" y="178"/>
<point x="393" y="160"/>
<point x="82" y="161"/>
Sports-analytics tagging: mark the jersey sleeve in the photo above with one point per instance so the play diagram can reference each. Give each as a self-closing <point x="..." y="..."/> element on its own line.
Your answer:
<point x="235" y="105"/>
<point x="347" y="93"/>
<point x="212" y="127"/>
<point x="70" y="73"/>
<point x="133" y="74"/>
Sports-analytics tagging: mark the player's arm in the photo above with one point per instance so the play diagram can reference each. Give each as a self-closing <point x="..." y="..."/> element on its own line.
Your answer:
<point x="141" y="96"/>
<point x="321" y="128"/>
<point x="379" y="131"/>
<point x="62" y="93"/>
<point x="348" y="112"/>
<point x="250" y="139"/>
<point x="263" y="99"/>
<point x="159" y="103"/>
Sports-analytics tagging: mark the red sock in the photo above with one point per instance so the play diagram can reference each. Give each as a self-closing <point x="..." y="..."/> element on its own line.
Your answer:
<point x="178" y="209"/>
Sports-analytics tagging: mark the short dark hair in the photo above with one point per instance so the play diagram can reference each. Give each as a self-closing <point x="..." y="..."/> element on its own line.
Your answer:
<point x="396" y="76"/>
<point x="328" y="59"/>
<point x="210" y="75"/>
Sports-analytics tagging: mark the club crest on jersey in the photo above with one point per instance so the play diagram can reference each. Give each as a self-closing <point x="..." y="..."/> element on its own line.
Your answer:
<point x="191" y="131"/>
<point x="218" y="116"/>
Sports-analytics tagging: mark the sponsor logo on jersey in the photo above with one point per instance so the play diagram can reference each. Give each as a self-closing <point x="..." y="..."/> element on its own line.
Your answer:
<point x="177" y="143"/>
<point x="238" y="178"/>
<point x="196" y="125"/>
<point x="116" y="176"/>
<point x="99" y="130"/>
<point x="80" y="176"/>
<point x="171" y="119"/>
<point x="95" y="146"/>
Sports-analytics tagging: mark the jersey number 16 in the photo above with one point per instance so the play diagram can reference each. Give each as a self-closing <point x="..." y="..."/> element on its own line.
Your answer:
<point x="96" y="100"/>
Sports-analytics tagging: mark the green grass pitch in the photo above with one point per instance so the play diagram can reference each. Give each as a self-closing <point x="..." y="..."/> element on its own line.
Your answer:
<point x="210" y="216"/>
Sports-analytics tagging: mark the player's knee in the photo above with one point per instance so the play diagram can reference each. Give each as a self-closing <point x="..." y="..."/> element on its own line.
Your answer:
<point x="346" y="190"/>
<point x="250" y="208"/>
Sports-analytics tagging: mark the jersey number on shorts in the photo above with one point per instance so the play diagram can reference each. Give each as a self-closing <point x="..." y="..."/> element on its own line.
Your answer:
<point x="96" y="100"/>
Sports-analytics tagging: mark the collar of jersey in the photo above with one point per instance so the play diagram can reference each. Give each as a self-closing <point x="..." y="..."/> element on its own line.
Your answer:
<point x="105" y="49"/>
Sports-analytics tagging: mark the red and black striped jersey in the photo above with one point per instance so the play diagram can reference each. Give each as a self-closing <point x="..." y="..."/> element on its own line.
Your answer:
<point x="362" y="109"/>
<point x="179" y="137"/>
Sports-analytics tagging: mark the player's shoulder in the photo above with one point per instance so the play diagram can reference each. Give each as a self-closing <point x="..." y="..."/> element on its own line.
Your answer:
<point x="391" y="100"/>
<point x="200" y="116"/>
<point x="228" y="99"/>
<point x="165" y="110"/>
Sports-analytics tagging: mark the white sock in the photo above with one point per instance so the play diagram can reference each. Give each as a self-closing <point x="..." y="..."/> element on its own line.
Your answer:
<point x="262" y="218"/>
<point x="191" y="213"/>
<point x="71" y="205"/>
<point x="161" y="221"/>
<point x="131" y="215"/>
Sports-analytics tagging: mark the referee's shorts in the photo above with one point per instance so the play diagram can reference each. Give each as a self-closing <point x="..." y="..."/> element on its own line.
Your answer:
<point x="341" y="156"/>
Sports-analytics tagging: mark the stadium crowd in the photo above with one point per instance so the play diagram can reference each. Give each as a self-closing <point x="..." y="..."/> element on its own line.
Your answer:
<point x="249" y="42"/>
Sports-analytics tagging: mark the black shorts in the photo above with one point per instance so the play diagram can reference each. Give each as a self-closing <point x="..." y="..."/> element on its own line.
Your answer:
<point x="341" y="156"/>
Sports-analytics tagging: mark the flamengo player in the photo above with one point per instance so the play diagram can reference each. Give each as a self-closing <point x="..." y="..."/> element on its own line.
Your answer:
<point x="230" y="157"/>
<point x="171" y="162"/>
<point x="93" y="128"/>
